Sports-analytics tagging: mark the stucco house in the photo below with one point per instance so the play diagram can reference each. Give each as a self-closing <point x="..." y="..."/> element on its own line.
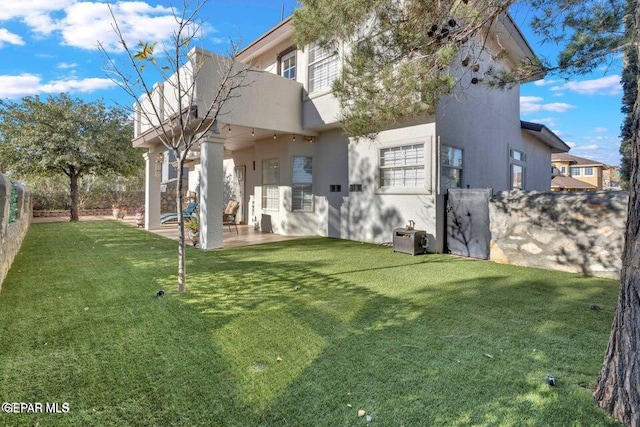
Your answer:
<point x="573" y="173"/>
<point x="281" y="153"/>
<point x="611" y="178"/>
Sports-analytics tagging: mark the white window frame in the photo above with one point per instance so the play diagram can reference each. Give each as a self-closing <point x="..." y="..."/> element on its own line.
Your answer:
<point x="324" y="62"/>
<point x="302" y="198"/>
<point x="563" y="170"/>
<point x="288" y="65"/>
<point x="271" y="184"/>
<point x="575" y="171"/>
<point x="586" y="170"/>
<point x="448" y="166"/>
<point x="402" y="167"/>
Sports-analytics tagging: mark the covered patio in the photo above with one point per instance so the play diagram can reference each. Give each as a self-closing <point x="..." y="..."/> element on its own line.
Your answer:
<point x="246" y="235"/>
<point x="266" y="109"/>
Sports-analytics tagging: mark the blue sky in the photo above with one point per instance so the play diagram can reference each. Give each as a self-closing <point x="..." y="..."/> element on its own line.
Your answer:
<point x="50" y="46"/>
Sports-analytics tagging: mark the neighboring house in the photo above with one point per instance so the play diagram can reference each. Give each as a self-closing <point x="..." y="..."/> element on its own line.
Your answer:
<point x="611" y="178"/>
<point x="285" y="158"/>
<point x="573" y="173"/>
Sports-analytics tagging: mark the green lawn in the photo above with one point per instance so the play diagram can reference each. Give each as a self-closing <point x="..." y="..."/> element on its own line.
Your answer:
<point x="299" y="333"/>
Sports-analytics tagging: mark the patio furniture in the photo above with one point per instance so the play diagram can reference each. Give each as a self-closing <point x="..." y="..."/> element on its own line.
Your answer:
<point x="230" y="213"/>
<point x="173" y="216"/>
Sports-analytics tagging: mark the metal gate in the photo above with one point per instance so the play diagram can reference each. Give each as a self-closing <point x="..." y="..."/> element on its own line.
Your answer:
<point x="468" y="233"/>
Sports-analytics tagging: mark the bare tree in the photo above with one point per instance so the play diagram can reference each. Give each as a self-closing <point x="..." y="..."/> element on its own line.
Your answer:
<point x="179" y="65"/>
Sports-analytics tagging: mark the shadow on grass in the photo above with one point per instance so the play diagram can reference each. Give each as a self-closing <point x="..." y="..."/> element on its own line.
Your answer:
<point x="292" y="333"/>
<point x="412" y="348"/>
<point x="79" y="324"/>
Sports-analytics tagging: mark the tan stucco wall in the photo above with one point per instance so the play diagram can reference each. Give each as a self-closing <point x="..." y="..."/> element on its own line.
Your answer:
<point x="595" y="179"/>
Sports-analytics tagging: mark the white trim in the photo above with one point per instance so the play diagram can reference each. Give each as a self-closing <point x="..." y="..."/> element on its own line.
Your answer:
<point x="286" y="57"/>
<point x="264" y="185"/>
<point x="328" y="58"/>
<point x="405" y="144"/>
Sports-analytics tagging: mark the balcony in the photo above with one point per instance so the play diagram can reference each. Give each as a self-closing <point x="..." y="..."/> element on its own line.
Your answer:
<point x="264" y="105"/>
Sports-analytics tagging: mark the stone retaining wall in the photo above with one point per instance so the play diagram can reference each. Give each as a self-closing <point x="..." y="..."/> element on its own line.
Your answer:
<point x="14" y="223"/>
<point x="133" y="200"/>
<point x="59" y="213"/>
<point x="574" y="232"/>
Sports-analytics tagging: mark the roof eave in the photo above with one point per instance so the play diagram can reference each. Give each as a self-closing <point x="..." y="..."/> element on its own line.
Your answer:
<point x="272" y="37"/>
<point x="546" y="135"/>
<point x="519" y="41"/>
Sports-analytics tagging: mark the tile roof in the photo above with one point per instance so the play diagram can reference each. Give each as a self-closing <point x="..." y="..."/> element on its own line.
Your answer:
<point x="565" y="182"/>
<point x="580" y="161"/>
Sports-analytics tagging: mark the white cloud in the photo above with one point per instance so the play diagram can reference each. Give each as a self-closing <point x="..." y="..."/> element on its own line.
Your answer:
<point x="549" y="121"/>
<point x="531" y="99"/>
<point x="19" y="9"/>
<point x="41" y="24"/>
<point x="534" y="104"/>
<point x="609" y="85"/>
<point x="18" y="86"/>
<point x="83" y="24"/>
<point x="66" y="65"/>
<point x="13" y="87"/>
<point x="592" y="147"/>
<point x="563" y="135"/>
<point x="36" y="14"/>
<point x="87" y="23"/>
<point x="614" y="139"/>
<point x="77" y="85"/>
<point x="558" y="107"/>
<point x="545" y="82"/>
<point x="600" y="130"/>
<point x="8" y="37"/>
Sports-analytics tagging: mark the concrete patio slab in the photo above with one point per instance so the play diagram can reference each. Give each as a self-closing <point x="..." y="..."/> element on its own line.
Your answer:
<point x="246" y="235"/>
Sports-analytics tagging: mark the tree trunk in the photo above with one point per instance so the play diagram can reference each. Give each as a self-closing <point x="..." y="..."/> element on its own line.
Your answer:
<point x="618" y="388"/>
<point x="181" y="242"/>
<point x="73" y="193"/>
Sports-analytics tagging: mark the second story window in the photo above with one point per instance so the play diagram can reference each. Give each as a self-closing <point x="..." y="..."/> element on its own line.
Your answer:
<point x="288" y="65"/>
<point x="323" y="68"/>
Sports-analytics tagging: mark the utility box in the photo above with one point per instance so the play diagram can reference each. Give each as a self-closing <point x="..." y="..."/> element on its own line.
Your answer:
<point x="411" y="242"/>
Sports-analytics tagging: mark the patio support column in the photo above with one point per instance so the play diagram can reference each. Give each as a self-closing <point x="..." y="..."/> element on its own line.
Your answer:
<point x="151" y="191"/>
<point x="211" y="191"/>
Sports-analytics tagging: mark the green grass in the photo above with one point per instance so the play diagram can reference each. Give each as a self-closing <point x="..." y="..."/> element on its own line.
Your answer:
<point x="430" y="340"/>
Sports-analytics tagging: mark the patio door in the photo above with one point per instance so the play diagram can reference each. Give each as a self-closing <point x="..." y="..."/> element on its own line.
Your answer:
<point x="239" y="173"/>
